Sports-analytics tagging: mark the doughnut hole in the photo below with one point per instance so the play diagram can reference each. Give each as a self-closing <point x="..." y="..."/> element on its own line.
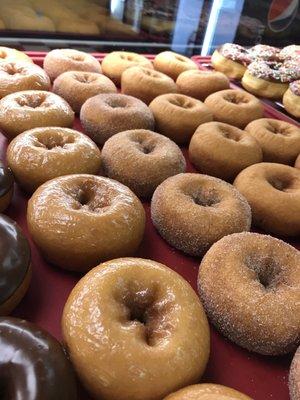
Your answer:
<point x="236" y="98"/>
<point x="284" y="183"/>
<point x="182" y="102"/>
<point x="117" y="102"/>
<point x="266" y="271"/>
<point x="145" y="146"/>
<point x="76" y="57"/>
<point x="87" y="198"/>
<point x="53" y="139"/>
<point x="85" y="78"/>
<point x="33" y="100"/>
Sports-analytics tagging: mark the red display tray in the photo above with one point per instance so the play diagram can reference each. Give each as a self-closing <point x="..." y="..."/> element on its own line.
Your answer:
<point x="261" y="377"/>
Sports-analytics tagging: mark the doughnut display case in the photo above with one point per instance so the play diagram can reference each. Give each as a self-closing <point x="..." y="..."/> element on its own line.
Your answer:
<point x="260" y="377"/>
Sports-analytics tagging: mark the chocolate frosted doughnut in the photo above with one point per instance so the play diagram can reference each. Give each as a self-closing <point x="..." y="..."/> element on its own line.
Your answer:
<point x="207" y="391"/>
<point x="105" y="115"/>
<point x="192" y="211"/>
<point x="173" y="64"/>
<point x="141" y="160"/>
<point x="277" y="208"/>
<point x="29" y="109"/>
<point x="279" y="140"/>
<point x="294" y="377"/>
<point x="249" y="284"/>
<point x="222" y="150"/>
<point x="6" y="186"/>
<point x="15" y="269"/>
<point x="231" y="59"/>
<point x="33" y="364"/>
<point x="234" y="107"/>
<point x="291" y="99"/>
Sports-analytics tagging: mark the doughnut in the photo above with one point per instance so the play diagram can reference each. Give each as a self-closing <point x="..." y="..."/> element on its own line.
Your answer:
<point x="146" y="84"/>
<point x="222" y="150"/>
<point x="234" y="107"/>
<point x="192" y="211"/>
<point x="116" y="62"/>
<point x="61" y="60"/>
<point x="78" y="221"/>
<point x="104" y="115"/>
<point x="173" y="64"/>
<point x="41" y="154"/>
<point x="141" y="160"/>
<point x="6" y="186"/>
<point x="290" y="51"/>
<point x="207" y="391"/>
<point x="277" y="207"/>
<point x="146" y="323"/>
<point x="291" y="99"/>
<point x="279" y="140"/>
<point x="34" y="362"/>
<point x="15" y="268"/>
<point x="231" y="59"/>
<point x="13" y="55"/>
<point x="78" y="86"/>
<point x="200" y="84"/>
<point x="21" y="75"/>
<point x="294" y="377"/>
<point x="178" y="116"/>
<point x="31" y="109"/>
<point x="264" y="52"/>
<point x="78" y="25"/>
<point x="249" y="284"/>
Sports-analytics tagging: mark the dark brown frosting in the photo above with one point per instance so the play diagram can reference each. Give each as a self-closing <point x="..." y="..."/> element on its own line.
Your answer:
<point x="14" y="257"/>
<point x="33" y="365"/>
<point x="6" y="179"/>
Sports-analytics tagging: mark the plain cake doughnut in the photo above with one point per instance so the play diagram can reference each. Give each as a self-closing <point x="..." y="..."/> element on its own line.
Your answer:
<point x="294" y="377"/>
<point x="173" y="64"/>
<point x="207" y="391"/>
<point x="192" y="211"/>
<point x="249" y="284"/>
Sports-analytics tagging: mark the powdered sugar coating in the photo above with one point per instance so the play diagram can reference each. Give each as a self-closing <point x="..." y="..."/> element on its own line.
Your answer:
<point x="250" y="286"/>
<point x="235" y="52"/>
<point x="294" y="377"/>
<point x="295" y="87"/>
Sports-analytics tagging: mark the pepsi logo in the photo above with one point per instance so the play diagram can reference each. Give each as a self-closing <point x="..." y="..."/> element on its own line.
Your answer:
<point x="281" y="14"/>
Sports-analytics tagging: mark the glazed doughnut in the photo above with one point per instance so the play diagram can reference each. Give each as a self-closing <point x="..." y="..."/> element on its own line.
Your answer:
<point x="41" y="154"/>
<point x="116" y="62"/>
<point x="104" y="115"/>
<point x="147" y="323"/>
<point x="178" y="116"/>
<point x="249" y="284"/>
<point x="207" y="391"/>
<point x="13" y="55"/>
<point x="294" y="377"/>
<point x="15" y="268"/>
<point x="192" y="211"/>
<point x="18" y="76"/>
<point x="264" y="52"/>
<point x="222" y="150"/>
<point x="38" y="359"/>
<point x="279" y="140"/>
<point x="146" y="84"/>
<point x="200" y="84"/>
<point x="61" y="60"/>
<point x="78" y="221"/>
<point x="173" y="64"/>
<point x="291" y="99"/>
<point x="141" y="160"/>
<point x="234" y="107"/>
<point x="78" y="86"/>
<point x="6" y="186"/>
<point x="231" y="59"/>
<point x="31" y="109"/>
<point x="277" y="208"/>
<point x="290" y="51"/>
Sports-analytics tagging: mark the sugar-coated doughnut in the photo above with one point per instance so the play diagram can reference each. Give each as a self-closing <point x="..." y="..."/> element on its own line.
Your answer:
<point x="178" y="116"/>
<point x="192" y="211"/>
<point x="207" y="391"/>
<point x="61" y="60"/>
<point x="200" y="84"/>
<point x="249" y="284"/>
<point x="222" y="150"/>
<point x="231" y="59"/>
<point x="279" y="140"/>
<point x="277" y="207"/>
<point x="173" y="64"/>
<point x="29" y="109"/>
<point x="6" y="186"/>
<point x="141" y="160"/>
<point x="104" y="115"/>
<point x="41" y="154"/>
<point x="21" y="75"/>
<point x="146" y="323"/>
<point x="38" y="359"/>
<point x="12" y="55"/>
<point x="294" y="377"/>
<point x="78" y="86"/>
<point x="116" y="62"/>
<point x="15" y="268"/>
<point x="79" y="220"/>
<point x="146" y="84"/>
<point x="291" y="99"/>
<point x="234" y="107"/>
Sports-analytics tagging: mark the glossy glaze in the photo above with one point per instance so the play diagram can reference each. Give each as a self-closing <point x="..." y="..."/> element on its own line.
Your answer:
<point x="6" y="179"/>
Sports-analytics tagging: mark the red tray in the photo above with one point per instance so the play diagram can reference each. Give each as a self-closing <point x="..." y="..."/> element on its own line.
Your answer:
<point x="261" y="377"/>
